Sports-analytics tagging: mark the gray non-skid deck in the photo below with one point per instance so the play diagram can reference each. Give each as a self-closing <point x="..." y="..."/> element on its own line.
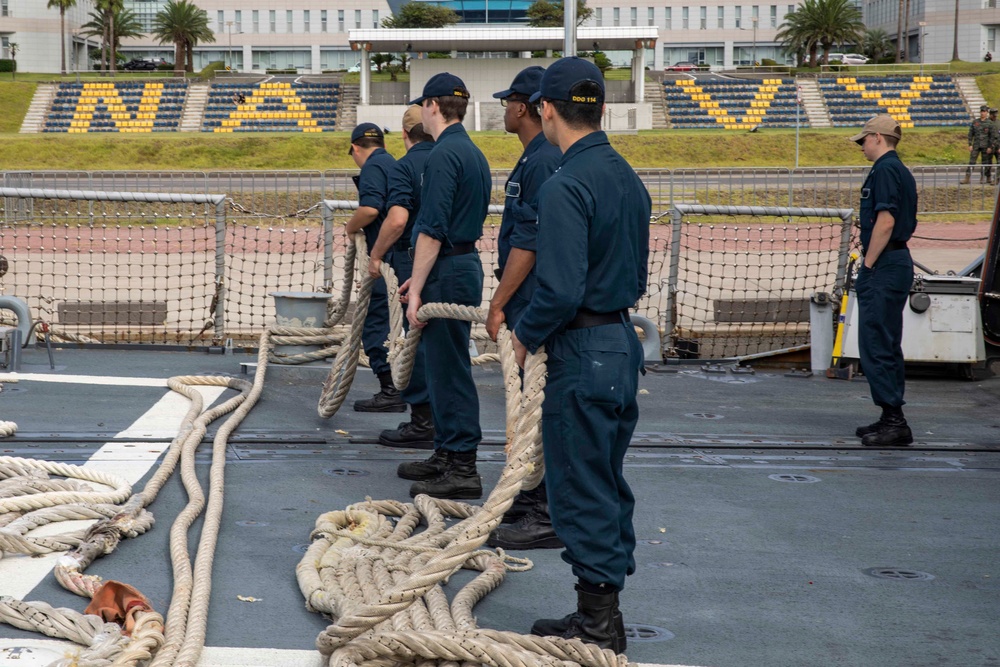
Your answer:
<point x="761" y="521"/>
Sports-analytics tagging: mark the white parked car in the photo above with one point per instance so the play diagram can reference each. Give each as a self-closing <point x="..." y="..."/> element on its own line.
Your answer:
<point x="849" y="58"/>
<point x="357" y="68"/>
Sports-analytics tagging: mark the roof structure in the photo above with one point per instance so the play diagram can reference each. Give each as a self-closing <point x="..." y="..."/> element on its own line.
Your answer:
<point x="497" y="38"/>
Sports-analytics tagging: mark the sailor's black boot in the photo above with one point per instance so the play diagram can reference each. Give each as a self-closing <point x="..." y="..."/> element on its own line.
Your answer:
<point x="874" y="427"/>
<point x="386" y="400"/>
<point x="597" y="620"/>
<point x="532" y="531"/>
<point x="524" y="502"/>
<point x="459" y="481"/>
<point x="894" y="432"/>
<point x="430" y="468"/>
<point x="418" y="433"/>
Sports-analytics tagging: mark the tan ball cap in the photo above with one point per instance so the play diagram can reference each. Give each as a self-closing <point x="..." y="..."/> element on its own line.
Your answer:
<point x="883" y="124"/>
<point x="412" y="117"/>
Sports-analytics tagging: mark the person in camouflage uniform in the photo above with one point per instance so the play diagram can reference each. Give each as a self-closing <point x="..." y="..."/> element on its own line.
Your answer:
<point x="995" y="145"/>
<point x="980" y="144"/>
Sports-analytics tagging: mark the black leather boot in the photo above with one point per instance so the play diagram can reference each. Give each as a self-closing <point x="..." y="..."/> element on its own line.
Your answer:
<point x="418" y="433"/>
<point x="533" y="531"/>
<point x="459" y="481"/>
<point x="874" y="427"/>
<point x="894" y="432"/>
<point x="386" y="400"/>
<point x="430" y="468"/>
<point x="524" y="502"/>
<point x="597" y="620"/>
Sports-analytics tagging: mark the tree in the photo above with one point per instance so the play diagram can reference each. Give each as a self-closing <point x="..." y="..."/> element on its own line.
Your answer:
<point x="421" y="15"/>
<point x="549" y="13"/>
<point x="183" y="24"/>
<point x="821" y="23"/>
<point x="62" y="5"/>
<point x="111" y="23"/>
<point x="876" y="44"/>
<point x="381" y="60"/>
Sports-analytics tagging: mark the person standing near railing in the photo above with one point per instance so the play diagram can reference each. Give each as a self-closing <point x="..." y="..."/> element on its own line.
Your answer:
<point x="530" y="525"/>
<point x="995" y="145"/>
<point x="980" y="145"/>
<point x="395" y="245"/>
<point x="593" y="251"/>
<point x="454" y="200"/>
<point x="888" y="215"/>
<point x="368" y="150"/>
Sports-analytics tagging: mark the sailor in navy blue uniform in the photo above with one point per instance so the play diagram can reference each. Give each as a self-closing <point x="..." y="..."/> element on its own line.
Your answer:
<point x="888" y="220"/>
<point x="593" y="248"/>
<point x="531" y="527"/>
<point x="393" y="245"/>
<point x="368" y="151"/>
<point x="454" y="201"/>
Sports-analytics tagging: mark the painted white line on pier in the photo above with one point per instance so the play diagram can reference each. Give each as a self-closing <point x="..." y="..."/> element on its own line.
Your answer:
<point x="84" y="379"/>
<point x="130" y="460"/>
<point x="220" y="656"/>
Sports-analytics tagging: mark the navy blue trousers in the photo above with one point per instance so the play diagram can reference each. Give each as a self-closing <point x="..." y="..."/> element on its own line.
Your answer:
<point x="882" y="294"/>
<point x="376" y="329"/>
<point x="588" y="417"/>
<point x="448" y="368"/>
<point x="415" y="392"/>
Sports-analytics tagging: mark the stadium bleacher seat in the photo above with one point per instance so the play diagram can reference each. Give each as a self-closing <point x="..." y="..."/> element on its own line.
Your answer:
<point x="735" y="104"/>
<point x="272" y="107"/>
<point x="121" y="106"/>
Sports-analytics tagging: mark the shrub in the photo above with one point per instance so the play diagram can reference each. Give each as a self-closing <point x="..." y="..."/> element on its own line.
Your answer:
<point x="7" y="65"/>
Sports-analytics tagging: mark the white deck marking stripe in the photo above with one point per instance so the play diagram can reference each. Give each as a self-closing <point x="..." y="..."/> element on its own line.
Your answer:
<point x="222" y="656"/>
<point x="20" y="574"/>
<point x="84" y="379"/>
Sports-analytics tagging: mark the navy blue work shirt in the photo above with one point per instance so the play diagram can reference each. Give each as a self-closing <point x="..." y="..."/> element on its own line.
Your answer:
<point x="889" y="187"/>
<point x="455" y="197"/>
<point x="593" y="240"/>
<point x="405" y="182"/>
<point x="519" y="225"/>
<point x="373" y="185"/>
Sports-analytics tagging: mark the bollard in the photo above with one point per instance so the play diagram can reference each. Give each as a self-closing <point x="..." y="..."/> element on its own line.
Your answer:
<point x="821" y="331"/>
<point x="22" y="313"/>
<point x="651" y="350"/>
<point x="299" y="309"/>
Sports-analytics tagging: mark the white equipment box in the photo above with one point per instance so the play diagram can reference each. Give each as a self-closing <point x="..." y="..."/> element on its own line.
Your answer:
<point x="941" y="322"/>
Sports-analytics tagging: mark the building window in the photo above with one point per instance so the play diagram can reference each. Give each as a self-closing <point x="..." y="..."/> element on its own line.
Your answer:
<point x="238" y="28"/>
<point x="255" y="19"/>
<point x="220" y="22"/>
<point x="791" y="9"/>
<point x="650" y="20"/>
<point x="684" y="18"/>
<point x="599" y="16"/>
<point x="272" y="21"/>
<point x="633" y="16"/>
<point x="322" y="20"/>
<point x="617" y="16"/>
<point x="340" y="20"/>
<point x="703" y="18"/>
<point x="288" y="21"/>
<point x="720" y="17"/>
<point x="774" y="16"/>
<point x="357" y="18"/>
<point x="305" y="20"/>
<point x="375" y="18"/>
<point x="666" y="18"/>
<point x="4" y="9"/>
<point x="739" y="17"/>
<point x="991" y="40"/>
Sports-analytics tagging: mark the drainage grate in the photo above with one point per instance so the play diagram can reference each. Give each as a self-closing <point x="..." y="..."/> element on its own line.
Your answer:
<point x="801" y="479"/>
<point x="703" y="415"/>
<point x="637" y="632"/>
<point x="345" y="472"/>
<point x="898" y="574"/>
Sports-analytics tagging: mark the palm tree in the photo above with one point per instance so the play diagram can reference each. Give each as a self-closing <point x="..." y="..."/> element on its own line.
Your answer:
<point x="63" y="5"/>
<point x="821" y="23"/>
<point x="876" y="44"/>
<point x="111" y="23"/>
<point x="184" y="24"/>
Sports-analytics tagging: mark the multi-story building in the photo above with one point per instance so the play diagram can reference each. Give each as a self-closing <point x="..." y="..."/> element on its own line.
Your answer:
<point x="310" y="36"/>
